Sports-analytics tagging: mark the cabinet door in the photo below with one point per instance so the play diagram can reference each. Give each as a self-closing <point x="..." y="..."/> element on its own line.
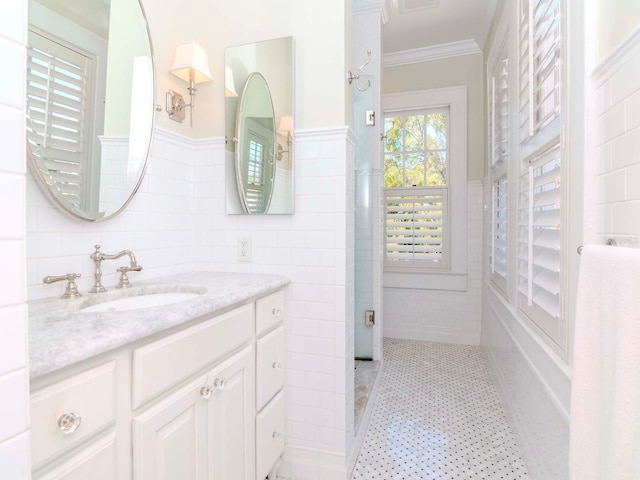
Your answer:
<point x="231" y="430"/>
<point x="169" y="439"/>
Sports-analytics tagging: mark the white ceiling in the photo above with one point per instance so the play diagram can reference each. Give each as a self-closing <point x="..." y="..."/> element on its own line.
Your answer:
<point x="421" y="27"/>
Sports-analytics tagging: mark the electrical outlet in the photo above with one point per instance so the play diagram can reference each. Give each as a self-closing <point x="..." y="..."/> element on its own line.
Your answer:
<point x="244" y="249"/>
<point x="369" y="317"/>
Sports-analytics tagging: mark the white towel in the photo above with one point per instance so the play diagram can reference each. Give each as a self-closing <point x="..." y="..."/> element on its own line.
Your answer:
<point x="605" y="387"/>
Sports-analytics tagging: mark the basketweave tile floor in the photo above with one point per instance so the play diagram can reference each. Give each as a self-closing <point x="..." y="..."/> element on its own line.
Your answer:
<point x="437" y="416"/>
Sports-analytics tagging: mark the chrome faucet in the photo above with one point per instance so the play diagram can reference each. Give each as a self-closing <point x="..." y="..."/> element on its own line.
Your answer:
<point x="98" y="257"/>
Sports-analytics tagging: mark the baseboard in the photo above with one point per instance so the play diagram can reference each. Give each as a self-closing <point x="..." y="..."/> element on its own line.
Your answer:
<point x="301" y="463"/>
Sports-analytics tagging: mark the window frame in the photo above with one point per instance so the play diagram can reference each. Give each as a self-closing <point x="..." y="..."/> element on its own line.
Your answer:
<point x="453" y="277"/>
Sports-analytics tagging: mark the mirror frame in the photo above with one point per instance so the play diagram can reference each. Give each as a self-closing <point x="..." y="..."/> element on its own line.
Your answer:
<point x="44" y="185"/>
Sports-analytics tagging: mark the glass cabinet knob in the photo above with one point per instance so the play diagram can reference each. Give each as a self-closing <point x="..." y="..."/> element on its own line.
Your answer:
<point x="206" y="392"/>
<point x="69" y="422"/>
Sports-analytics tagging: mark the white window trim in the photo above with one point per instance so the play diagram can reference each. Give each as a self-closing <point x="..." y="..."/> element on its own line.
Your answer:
<point x="455" y="98"/>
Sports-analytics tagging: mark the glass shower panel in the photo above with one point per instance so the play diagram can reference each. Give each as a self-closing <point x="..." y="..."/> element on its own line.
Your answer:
<point x="364" y="241"/>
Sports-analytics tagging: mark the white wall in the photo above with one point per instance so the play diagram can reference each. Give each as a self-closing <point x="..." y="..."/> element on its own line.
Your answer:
<point x="14" y="377"/>
<point x="615" y="21"/>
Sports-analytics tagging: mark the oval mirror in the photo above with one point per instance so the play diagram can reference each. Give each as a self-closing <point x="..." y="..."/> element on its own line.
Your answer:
<point x="256" y="149"/>
<point x="90" y="103"/>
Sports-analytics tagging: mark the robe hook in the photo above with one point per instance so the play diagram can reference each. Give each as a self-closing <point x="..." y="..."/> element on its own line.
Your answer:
<point x="351" y="77"/>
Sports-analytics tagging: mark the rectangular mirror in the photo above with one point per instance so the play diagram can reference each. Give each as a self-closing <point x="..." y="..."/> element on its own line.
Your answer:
<point x="259" y="153"/>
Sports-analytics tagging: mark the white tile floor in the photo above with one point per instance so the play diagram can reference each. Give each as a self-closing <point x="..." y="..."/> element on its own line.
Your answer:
<point x="437" y="417"/>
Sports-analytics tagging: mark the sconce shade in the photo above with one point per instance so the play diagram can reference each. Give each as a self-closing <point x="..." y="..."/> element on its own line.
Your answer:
<point x="229" y="85"/>
<point x="285" y="127"/>
<point x="191" y="57"/>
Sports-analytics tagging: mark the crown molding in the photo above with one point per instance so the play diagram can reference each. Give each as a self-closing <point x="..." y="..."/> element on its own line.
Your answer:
<point x="435" y="52"/>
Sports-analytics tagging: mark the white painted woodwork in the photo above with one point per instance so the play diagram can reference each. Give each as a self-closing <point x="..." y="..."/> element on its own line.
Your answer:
<point x="269" y="312"/>
<point x="165" y="362"/>
<point x="97" y="462"/>
<point x="230" y="425"/>
<point x="270" y="353"/>
<point x="90" y="394"/>
<point x="269" y="436"/>
<point x="168" y="439"/>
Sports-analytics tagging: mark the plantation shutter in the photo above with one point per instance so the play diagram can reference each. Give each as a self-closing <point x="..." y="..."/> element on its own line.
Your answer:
<point x="539" y="64"/>
<point x="255" y="190"/>
<point x="57" y="102"/>
<point x="499" y="226"/>
<point x="539" y="241"/>
<point x="499" y="115"/>
<point x="415" y="228"/>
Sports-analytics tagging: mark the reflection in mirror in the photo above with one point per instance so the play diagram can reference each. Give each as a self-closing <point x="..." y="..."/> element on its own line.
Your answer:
<point x="256" y="146"/>
<point x="90" y="91"/>
<point x="258" y="70"/>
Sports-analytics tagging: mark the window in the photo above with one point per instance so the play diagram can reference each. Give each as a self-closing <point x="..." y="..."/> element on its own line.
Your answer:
<point x="540" y="50"/>
<point x="498" y="122"/>
<point x="539" y="241"/>
<point x="416" y="191"/>
<point x="59" y="81"/>
<point x="256" y="188"/>
<point x="427" y="148"/>
<point x="539" y="254"/>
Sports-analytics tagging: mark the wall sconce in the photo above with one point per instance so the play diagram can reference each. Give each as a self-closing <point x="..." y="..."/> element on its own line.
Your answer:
<point x="229" y="84"/>
<point x="191" y="64"/>
<point x="285" y="128"/>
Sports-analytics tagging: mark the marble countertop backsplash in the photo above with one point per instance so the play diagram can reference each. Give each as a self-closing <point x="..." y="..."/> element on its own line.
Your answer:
<point x="60" y="335"/>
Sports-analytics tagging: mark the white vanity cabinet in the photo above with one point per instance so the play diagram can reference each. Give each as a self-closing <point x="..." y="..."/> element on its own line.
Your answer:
<point x="201" y="402"/>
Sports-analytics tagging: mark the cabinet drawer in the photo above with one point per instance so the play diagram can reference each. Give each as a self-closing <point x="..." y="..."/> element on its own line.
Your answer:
<point x="269" y="366"/>
<point x="161" y="364"/>
<point x="269" y="311"/>
<point x="89" y="395"/>
<point x="269" y="435"/>
<point x="97" y="462"/>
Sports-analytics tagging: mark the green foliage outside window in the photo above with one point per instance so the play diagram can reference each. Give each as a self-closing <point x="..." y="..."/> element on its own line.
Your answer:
<point x="415" y="150"/>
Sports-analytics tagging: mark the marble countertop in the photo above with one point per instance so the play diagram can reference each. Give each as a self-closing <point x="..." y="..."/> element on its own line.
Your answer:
<point x="61" y="335"/>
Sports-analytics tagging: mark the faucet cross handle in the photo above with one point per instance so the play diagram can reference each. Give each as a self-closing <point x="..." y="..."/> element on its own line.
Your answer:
<point x="124" y="279"/>
<point x="71" y="289"/>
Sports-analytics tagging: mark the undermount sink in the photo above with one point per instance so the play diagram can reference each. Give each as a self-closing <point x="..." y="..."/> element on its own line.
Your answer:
<point x="142" y="300"/>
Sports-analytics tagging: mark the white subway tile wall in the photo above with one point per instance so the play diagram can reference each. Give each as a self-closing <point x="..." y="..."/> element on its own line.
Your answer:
<point x="177" y="222"/>
<point x="617" y="145"/>
<point x="14" y="383"/>
<point x="438" y="315"/>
